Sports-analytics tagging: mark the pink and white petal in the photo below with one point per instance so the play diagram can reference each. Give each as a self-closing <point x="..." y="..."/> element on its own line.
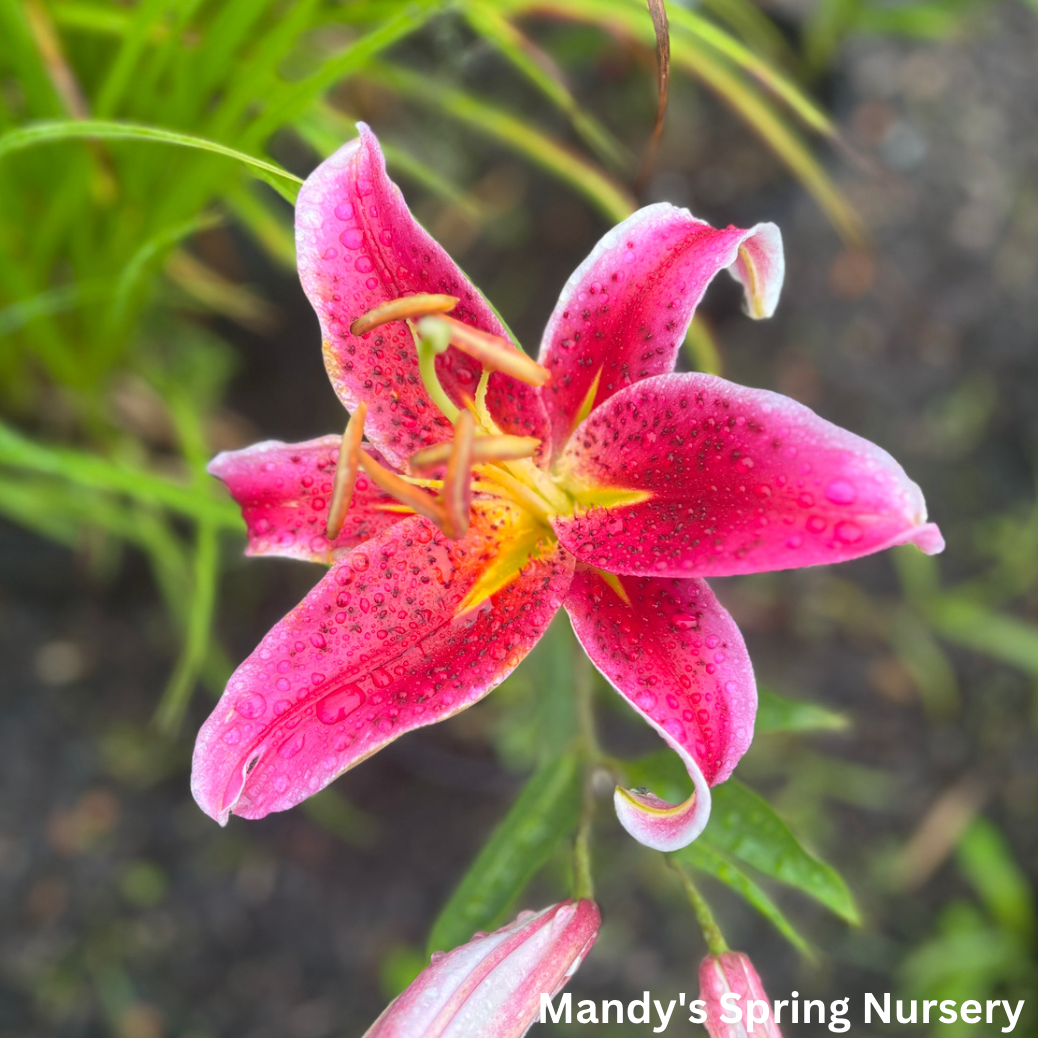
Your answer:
<point x="375" y="650"/>
<point x="736" y="480"/>
<point x="284" y="490"/>
<point x="623" y="314"/>
<point x="358" y="246"/>
<point x="674" y="653"/>
<point x="491" y="987"/>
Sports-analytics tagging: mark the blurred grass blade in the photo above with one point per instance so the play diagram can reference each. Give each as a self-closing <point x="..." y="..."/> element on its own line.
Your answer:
<point x="52" y="301"/>
<point x="661" y="27"/>
<point x="986" y="859"/>
<point x="605" y="194"/>
<point x="746" y="826"/>
<point x="536" y="66"/>
<point x="545" y="813"/>
<point x="205" y="573"/>
<point x="775" y="713"/>
<point x="700" y="856"/>
<point x="50" y="132"/>
<point x="972" y="625"/>
<point x="90" y="470"/>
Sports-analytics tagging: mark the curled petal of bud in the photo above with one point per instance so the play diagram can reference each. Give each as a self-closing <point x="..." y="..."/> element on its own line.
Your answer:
<point x="402" y="309"/>
<point x="346" y="471"/>
<point x="493" y="352"/>
<point x="492" y="986"/>
<point x="484" y="449"/>
<point x="732" y="973"/>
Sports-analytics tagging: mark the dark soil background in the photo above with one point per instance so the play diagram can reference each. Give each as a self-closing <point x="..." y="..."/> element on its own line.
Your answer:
<point x="127" y="912"/>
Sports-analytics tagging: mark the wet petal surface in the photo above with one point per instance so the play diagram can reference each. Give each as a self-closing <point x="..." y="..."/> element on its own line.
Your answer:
<point x="359" y="247"/>
<point x="737" y="481"/>
<point x="376" y="649"/>
<point x="284" y="490"/>
<point x="673" y="652"/>
<point x="492" y="985"/>
<point x="623" y="314"/>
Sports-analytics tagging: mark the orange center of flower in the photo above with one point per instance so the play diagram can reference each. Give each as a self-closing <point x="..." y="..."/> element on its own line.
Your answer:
<point x="481" y="463"/>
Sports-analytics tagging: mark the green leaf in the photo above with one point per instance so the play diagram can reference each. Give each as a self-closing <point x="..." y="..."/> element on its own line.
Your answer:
<point x="611" y="199"/>
<point x="775" y="713"/>
<point x="700" y="856"/>
<point x="545" y="813"/>
<point x="970" y="624"/>
<point x="747" y="827"/>
<point x="986" y="859"/>
<point x="53" y="131"/>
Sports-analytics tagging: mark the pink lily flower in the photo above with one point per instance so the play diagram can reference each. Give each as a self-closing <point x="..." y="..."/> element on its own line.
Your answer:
<point x="732" y="973"/>
<point x="492" y="986"/>
<point x="595" y="480"/>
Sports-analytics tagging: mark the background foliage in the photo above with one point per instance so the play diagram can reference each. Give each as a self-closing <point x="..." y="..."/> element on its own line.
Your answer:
<point x="149" y="317"/>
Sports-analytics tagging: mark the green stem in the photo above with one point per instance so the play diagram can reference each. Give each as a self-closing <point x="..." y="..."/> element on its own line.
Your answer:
<point x="583" y="884"/>
<point x="715" y="941"/>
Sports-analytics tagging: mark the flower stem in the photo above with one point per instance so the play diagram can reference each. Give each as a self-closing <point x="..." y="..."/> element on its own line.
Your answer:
<point x="715" y="941"/>
<point x="583" y="688"/>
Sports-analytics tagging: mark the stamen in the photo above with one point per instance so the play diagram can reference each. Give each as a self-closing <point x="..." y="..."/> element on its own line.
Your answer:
<point x="484" y="449"/>
<point x="414" y="498"/>
<point x="457" y="481"/>
<point x="403" y="309"/>
<point x="346" y="471"/>
<point x="493" y="352"/>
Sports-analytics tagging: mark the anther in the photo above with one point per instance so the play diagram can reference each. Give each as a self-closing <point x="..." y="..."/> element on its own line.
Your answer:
<point x="484" y="449"/>
<point x="493" y="352"/>
<point x="457" y="480"/>
<point x="346" y="471"/>
<point x="413" y="497"/>
<point x="402" y="309"/>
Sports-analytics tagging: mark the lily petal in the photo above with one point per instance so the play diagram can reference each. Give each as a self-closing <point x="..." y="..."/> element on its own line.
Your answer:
<point x="376" y="649"/>
<point x="673" y="652"/>
<point x="359" y="247"/>
<point x="284" y="490"/>
<point x="624" y="312"/>
<point x="491" y="987"/>
<point x="721" y="480"/>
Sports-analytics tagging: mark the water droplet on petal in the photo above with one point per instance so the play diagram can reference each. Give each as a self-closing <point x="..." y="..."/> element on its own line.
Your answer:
<point x="338" y="705"/>
<point x="291" y="747"/>
<point x="848" y="532"/>
<point x="841" y="492"/>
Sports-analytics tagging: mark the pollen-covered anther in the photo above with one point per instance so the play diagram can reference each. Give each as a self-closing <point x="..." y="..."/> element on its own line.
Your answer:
<point x="492" y="352"/>
<point x="405" y="308"/>
<point x="406" y="493"/>
<point x="457" y="480"/>
<point x="484" y="449"/>
<point x="346" y="471"/>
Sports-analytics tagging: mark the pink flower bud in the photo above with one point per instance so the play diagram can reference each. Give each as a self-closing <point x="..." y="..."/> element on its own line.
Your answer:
<point x="492" y="986"/>
<point x="732" y="974"/>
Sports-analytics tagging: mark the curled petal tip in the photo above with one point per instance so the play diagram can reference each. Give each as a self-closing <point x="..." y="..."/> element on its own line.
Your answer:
<point x="662" y="826"/>
<point x="927" y="538"/>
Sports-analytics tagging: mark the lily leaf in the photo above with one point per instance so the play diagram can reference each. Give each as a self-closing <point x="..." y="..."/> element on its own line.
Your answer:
<point x="776" y="713"/>
<point x="545" y="812"/>
<point x="744" y="825"/>
<point x="700" y="856"/>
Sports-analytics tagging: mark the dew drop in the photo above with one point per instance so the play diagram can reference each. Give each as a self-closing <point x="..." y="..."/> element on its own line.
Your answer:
<point x="841" y="492"/>
<point x="338" y="705"/>
<point x="251" y="706"/>
<point x="288" y="749"/>
<point x="352" y="239"/>
<point x="363" y="265"/>
<point x="344" y="211"/>
<point x="848" y="532"/>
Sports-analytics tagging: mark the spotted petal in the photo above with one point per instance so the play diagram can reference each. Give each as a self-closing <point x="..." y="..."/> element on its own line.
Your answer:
<point x="673" y="652"/>
<point x="379" y="647"/>
<point x="623" y="314"/>
<point x="284" y="489"/>
<point x="719" y="479"/>
<point x="358" y="247"/>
